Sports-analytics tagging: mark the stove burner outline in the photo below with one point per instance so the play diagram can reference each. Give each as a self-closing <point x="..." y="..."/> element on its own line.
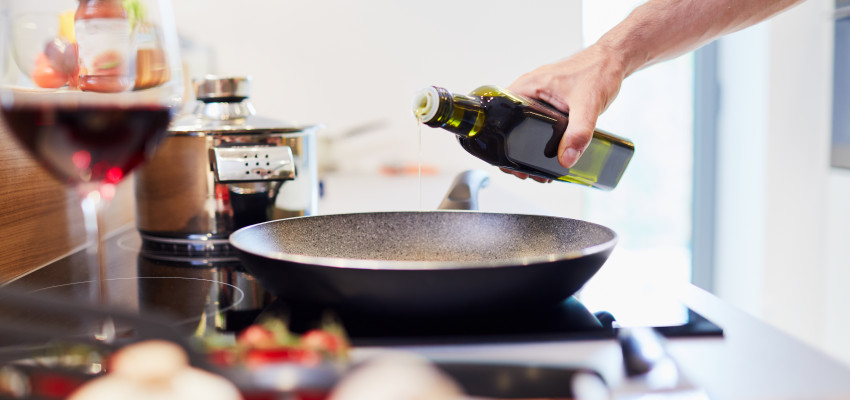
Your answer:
<point x="239" y="294"/>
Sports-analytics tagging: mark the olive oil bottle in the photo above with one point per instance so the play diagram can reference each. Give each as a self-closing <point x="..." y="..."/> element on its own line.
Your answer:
<point x="517" y="133"/>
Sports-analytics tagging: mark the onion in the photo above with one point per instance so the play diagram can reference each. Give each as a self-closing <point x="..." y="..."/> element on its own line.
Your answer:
<point x="399" y="376"/>
<point x="149" y="361"/>
<point x="155" y="370"/>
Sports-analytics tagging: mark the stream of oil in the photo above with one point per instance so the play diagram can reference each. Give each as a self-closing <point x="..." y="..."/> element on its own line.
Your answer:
<point x="419" y="215"/>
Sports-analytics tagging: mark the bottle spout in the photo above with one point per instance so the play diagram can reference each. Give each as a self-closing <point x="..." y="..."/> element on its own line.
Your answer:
<point x="425" y="104"/>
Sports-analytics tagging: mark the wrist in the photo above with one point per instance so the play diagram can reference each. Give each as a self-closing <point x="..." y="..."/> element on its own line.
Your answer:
<point x="615" y="61"/>
<point x="635" y="43"/>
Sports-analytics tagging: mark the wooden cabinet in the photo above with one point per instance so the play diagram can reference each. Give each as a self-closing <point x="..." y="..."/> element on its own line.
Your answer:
<point x="40" y="219"/>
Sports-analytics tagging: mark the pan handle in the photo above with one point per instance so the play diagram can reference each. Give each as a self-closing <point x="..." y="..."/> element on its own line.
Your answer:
<point x="463" y="194"/>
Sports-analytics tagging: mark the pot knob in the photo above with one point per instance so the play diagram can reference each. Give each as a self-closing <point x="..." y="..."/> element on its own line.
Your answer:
<point x="223" y="98"/>
<point x="221" y="89"/>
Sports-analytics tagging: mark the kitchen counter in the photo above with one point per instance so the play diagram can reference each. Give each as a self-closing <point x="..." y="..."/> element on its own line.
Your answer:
<point x="750" y="360"/>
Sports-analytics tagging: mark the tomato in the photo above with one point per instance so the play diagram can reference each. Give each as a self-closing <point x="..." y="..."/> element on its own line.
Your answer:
<point x="271" y="342"/>
<point x="46" y="76"/>
<point x="323" y="340"/>
<point x="256" y="336"/>
<point x="222" y="357"/>
<point x="311" y="395"/>
<point x="260" y="395"/>
<point x="258" y="357"/>
<point x="54" y="386"/>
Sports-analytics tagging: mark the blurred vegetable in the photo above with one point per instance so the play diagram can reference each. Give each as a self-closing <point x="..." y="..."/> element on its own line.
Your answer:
<point x="270" y="342"/>
<point x="156" y="370"/>
<point x="46" y="76"/>
<point x="256" y="357"/>
<point x="397" y="376"/>
<point x="62" y="55"/>
<point x="323" y="341"/>
<point x="66" y="26"/>
<point x="136" y="12"/>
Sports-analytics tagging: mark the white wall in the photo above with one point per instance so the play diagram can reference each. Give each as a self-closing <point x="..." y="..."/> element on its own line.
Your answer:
<point x="352" y="65"/>
<point x="741" y="169"/>
<point x="782" y="236"/>
<point x="837" y="275"/>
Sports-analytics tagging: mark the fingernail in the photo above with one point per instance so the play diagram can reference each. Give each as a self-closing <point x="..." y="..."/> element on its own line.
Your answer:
<point x="570" y="156"/>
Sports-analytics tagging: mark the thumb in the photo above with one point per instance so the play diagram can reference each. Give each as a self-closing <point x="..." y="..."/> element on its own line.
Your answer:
<point x="577" y="136"/>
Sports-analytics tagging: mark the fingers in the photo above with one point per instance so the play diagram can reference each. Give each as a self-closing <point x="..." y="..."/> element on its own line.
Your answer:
<point x="582" y="85"/>
<point x="576" y="99"/>
<point x="577" y="136"/>
<point x="540" y="179"/>
<point x="517" y="174"/>
<point x="523" y="176"/>
<point x="526" y="85"/>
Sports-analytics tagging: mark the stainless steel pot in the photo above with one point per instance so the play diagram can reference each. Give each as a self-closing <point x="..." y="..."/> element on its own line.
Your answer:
<point x="221" y="169"/>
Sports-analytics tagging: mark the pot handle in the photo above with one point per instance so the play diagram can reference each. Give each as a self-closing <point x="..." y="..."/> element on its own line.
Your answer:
<point x="463" y="194"/>
<point x="252" y="163"/>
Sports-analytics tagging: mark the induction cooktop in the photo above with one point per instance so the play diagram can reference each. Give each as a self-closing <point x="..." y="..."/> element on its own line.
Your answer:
<point x="198" y="291"/>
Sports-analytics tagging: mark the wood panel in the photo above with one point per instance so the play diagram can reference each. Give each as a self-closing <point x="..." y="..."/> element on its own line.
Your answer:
<point x="40" y="219"/>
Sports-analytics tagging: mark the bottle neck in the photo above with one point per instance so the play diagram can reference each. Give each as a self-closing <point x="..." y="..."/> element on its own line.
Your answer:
<point x="432" y="105"/>
<point x="439" y="108"/>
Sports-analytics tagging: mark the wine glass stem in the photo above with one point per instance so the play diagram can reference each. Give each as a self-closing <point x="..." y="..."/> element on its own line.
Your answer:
<point x="93" y="206"/>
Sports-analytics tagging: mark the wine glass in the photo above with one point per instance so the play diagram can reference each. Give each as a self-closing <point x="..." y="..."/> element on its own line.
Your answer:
<point x="89" y="88"/>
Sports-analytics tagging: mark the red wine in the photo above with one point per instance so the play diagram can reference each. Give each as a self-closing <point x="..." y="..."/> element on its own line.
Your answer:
<point x="89" y="143"/>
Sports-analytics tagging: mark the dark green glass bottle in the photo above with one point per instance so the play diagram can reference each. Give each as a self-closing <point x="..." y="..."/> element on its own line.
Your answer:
<point x="513" y="132"/>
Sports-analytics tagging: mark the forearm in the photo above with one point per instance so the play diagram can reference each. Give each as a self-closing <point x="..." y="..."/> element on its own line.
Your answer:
<point x="663" y="29"/>
<point x="586" y="83"/>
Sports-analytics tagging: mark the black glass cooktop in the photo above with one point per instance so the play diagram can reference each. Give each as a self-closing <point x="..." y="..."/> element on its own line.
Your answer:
<point x="216" y="293"/>
<point x="570" y="320"/>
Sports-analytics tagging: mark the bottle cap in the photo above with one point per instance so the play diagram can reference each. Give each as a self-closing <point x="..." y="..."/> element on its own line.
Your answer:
<point x="425" y="104"/>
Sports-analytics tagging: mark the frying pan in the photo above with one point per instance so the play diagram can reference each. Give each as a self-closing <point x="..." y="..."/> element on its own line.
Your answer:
<point x="425" y="263"/>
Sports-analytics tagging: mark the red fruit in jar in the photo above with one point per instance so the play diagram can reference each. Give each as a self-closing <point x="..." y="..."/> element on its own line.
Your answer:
<point x="46" y="76"/>
<point x="110" y="62"/>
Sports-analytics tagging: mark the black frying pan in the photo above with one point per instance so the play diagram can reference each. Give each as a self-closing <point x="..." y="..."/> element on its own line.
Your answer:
<point x="431" y="262"/>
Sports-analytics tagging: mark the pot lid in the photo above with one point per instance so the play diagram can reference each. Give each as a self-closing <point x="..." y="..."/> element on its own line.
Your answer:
<point x="223" y="106"/>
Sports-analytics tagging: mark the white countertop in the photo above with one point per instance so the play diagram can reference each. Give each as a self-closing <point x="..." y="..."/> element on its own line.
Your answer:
<point x="751" y="361"/>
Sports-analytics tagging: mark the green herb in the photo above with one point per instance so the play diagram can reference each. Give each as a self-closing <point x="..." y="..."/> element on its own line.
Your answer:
<point x="136" y="12"/>
<point x="108" y="64"/>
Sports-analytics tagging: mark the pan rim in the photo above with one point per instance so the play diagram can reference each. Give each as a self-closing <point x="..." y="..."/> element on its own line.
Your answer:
<point x="406" y="265"/>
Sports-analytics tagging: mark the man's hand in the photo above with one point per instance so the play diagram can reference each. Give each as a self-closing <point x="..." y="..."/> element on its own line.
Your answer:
<point x="583" y="86"/>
